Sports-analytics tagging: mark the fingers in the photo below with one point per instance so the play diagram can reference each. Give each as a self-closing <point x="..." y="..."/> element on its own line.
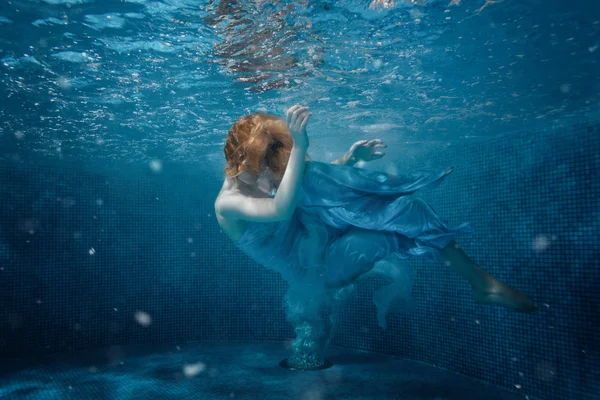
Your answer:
<point x="376" y="143"/>
<point x="297" y="113"/>
<point x="306" y="116"/>
<point x="370" y="143"/>
<point x="290" y="113"/>
<point x="293" y="113"/>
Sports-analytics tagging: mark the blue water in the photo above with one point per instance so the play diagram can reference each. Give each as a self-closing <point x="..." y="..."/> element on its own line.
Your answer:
<point x="113" y="117"/>
<point x="142" y="80"/>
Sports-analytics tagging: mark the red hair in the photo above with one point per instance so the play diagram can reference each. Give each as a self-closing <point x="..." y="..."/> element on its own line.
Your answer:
<point x="256" y="138"/>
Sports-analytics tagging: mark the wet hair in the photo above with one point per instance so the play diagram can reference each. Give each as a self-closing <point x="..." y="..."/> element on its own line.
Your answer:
<point x="257" y="140"/>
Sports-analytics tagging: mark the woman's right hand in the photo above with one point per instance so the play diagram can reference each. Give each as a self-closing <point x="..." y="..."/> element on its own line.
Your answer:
<point x="296" y="118"/>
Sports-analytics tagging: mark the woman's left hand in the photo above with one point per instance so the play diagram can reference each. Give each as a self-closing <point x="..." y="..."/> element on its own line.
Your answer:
<point x="366" y="150"/>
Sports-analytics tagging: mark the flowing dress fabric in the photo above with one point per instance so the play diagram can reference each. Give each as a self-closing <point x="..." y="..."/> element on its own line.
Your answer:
<point x="346" y="220"/>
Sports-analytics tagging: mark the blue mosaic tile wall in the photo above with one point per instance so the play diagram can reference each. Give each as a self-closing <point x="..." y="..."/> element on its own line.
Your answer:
<point x="108" y="258"/>
<point x="534" y="202"/>
<point x="121" y="257"/>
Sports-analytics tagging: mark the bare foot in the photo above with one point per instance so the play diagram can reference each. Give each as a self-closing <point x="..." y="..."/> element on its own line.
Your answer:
<point x="500" y="294"/>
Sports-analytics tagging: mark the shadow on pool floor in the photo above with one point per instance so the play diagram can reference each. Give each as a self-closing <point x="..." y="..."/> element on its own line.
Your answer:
<point x="210" y="371"/>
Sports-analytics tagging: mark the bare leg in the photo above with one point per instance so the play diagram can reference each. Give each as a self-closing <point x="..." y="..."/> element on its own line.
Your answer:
<point x="396" y="295"/>
<point x="486" y="288"/>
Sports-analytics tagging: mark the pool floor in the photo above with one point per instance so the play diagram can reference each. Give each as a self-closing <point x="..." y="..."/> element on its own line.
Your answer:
<point x="210" y="371"/>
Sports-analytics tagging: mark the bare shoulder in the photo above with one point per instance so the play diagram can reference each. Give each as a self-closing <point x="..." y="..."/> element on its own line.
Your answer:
<point x="225" y="197"/>
<point x="233" y="228"/>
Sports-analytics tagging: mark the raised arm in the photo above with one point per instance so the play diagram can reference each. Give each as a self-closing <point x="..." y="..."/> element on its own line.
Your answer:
<point x="363" y="150"/>
<point x="282" y="206"/>
<point x="346" y="159"/>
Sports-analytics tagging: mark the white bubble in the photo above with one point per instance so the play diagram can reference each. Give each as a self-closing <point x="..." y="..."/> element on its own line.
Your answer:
<point x="191" y="370"/>
<point x="156" y="165"/>
<point x="565" y="88"/>
<point x="92" y="251"/>
<point x="64" y="83"/>
<point x="19" y="135"/>
<point x="143" y="318"/>
<point x="541" y="243"/>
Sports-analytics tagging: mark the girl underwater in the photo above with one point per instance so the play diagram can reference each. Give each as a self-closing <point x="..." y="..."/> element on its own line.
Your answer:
<point x="325" y="226"/>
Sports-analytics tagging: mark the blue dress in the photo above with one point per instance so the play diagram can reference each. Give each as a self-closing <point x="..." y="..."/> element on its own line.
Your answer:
<point x="346" y="220"/>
